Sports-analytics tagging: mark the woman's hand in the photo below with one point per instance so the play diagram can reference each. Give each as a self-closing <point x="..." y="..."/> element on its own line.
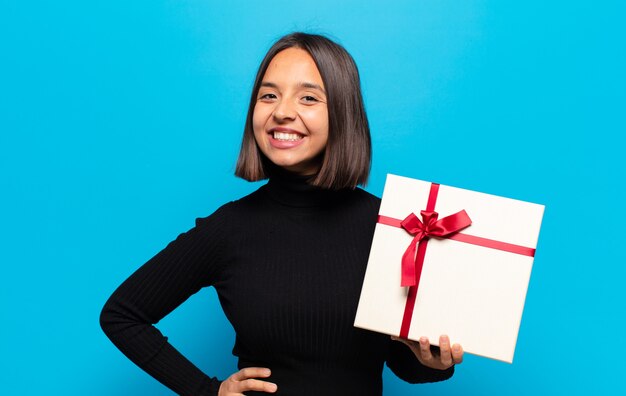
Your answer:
<point x="245" y="380"/>
<point x="442" y="359"/>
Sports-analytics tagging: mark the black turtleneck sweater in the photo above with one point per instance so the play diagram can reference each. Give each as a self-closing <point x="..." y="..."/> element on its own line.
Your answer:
<point x="287" y="262"/>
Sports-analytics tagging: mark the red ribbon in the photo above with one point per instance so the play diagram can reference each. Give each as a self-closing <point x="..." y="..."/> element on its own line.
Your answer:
<point x="448" y="227"/>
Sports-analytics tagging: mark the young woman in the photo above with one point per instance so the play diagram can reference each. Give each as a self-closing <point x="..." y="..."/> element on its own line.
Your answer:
<point x="288" y="260"/>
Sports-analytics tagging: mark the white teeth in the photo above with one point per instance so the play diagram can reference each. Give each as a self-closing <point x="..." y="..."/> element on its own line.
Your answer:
<point x="290" y="137"/>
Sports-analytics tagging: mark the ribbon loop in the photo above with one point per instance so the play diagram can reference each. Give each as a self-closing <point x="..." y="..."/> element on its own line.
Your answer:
<point x="428" y="227"/>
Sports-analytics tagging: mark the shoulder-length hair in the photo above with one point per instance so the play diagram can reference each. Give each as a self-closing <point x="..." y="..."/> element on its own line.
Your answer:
<point x="347" y="157"/>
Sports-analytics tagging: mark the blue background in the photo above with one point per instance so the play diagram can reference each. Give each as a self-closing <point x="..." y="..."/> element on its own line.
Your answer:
<point x="120" y="124"/>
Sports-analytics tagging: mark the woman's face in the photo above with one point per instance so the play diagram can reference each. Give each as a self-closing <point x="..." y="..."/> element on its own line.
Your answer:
<point x="290" y="119"/>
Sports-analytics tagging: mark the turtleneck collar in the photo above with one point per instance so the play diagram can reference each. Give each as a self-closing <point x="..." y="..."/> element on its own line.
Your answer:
<point x="294" y="190"/>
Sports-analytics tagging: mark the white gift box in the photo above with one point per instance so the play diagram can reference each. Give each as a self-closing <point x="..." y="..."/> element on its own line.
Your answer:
<point x="473" y="284"/>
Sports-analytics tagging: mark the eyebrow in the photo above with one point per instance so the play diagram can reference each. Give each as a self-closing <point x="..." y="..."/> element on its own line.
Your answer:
<point x="301" y="84"/>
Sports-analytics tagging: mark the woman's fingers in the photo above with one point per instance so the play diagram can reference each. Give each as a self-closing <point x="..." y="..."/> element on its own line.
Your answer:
<point x="425" y="352"/>
<point x="441" y="357"/>
<point x="256" y="385"/>
<point x="245" y="380"/>
<point x="444" y="351"/>
<point x="251" y="372"/>
<point x="457" y="353"/>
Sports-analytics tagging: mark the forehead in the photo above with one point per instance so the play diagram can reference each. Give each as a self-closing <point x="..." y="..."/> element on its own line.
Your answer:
<point x="293" y="65"/>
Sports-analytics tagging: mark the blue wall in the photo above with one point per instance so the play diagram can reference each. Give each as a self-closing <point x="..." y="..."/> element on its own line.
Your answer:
<point x="120" y="123"/>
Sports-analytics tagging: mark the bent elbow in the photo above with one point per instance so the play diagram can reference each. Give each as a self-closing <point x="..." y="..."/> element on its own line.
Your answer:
<point x="107" y="321"/>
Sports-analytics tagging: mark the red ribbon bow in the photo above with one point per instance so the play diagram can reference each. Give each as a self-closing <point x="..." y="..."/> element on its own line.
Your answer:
<point x="430" y="227"/>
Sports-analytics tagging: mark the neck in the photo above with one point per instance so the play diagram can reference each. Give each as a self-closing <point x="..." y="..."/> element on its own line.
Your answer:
<point x="293" y="189"/>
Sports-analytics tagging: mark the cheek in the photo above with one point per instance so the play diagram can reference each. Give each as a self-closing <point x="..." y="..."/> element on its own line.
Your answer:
<point x="256" y="118"/>
<point x="258" y="121"/>
<point x="317" y="121"/>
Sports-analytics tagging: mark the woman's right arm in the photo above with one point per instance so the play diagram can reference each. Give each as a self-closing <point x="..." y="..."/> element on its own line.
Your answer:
<point x="153" y="291"/>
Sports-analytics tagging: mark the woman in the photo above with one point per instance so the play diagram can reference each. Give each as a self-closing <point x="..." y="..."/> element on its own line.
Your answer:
<point x="288" y="260"/>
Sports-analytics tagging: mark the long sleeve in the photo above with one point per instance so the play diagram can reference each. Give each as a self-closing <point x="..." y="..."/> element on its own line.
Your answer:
<point x="153" y="291"/>
<point x="405" y="365"/>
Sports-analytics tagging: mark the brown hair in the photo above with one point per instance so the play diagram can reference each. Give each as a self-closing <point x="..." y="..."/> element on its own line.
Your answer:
<point x="347" y="157"/>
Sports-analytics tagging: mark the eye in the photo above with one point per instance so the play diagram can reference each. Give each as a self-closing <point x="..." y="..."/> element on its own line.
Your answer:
<point x="267" y="96"/>
<point x="309" y="99"/>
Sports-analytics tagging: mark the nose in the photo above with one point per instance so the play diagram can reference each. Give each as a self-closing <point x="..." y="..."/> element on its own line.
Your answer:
<point x="284" y="110"/>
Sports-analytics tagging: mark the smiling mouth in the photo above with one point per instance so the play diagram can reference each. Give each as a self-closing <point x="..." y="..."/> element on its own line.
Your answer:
<point x="286" y="137"/>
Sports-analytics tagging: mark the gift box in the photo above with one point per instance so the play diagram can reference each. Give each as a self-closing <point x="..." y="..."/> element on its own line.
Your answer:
<point x="446" y="260"/>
